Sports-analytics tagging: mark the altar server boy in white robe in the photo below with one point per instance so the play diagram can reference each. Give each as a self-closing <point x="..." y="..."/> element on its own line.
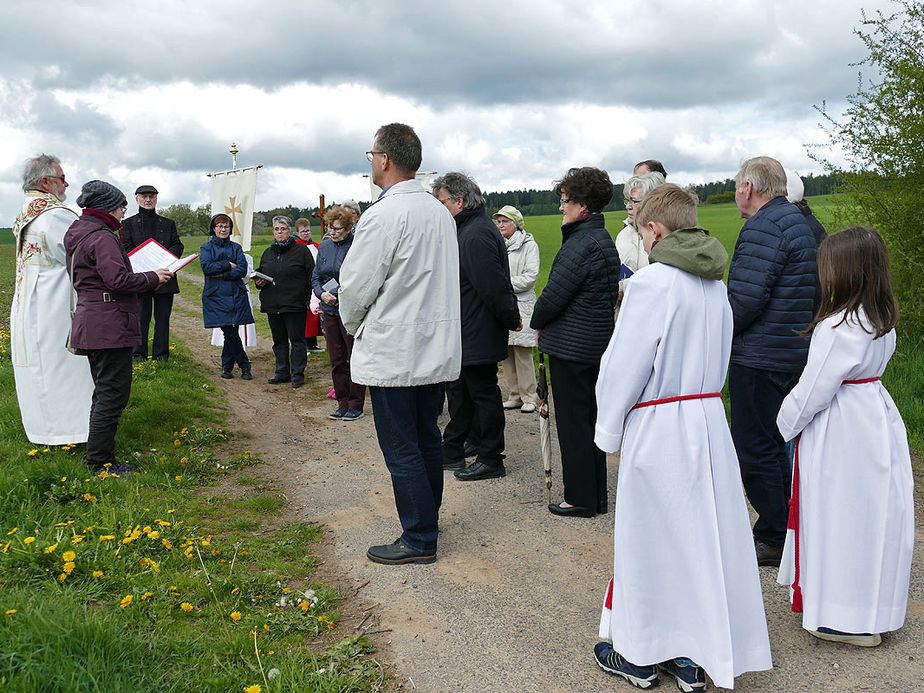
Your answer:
<point x="848" y="551"/>
<point x="685" y="596"/>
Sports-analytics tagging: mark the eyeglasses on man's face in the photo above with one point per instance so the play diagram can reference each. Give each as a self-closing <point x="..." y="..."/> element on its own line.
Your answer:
<point x="371" y="154"/>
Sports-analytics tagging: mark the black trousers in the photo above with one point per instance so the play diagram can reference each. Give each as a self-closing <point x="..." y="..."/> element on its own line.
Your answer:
<point x="161" y="305"/>
<point x="583" y="464"/>
<point x="111" y="370"/>
<point x="756" y="396"/>
<point x="233" y="350"/>
<point x="475" y="403"/>
<point x="289" y="328"/>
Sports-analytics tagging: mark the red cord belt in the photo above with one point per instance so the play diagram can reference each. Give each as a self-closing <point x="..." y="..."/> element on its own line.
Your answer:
<point x="793" y="522"/>
<point x="678" y="398"/>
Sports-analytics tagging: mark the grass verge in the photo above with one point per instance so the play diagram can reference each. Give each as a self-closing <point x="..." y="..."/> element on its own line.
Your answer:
<point x="160" y="581"/>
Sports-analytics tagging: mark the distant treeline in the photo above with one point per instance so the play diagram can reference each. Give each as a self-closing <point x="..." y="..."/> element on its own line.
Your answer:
<point x="191" y="221"/>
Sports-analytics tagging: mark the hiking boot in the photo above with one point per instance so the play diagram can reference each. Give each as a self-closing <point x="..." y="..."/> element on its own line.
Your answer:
<point x="768" y="555"/>
<point x="610" y="660"/>
<point x="858" y="639"/>
<point x="226" y="373"/>
<point x="246" y="374"/>
<point x="689" y="675"/>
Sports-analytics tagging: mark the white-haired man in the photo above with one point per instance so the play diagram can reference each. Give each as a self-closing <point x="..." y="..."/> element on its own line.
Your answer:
<point x="53" y="386"/>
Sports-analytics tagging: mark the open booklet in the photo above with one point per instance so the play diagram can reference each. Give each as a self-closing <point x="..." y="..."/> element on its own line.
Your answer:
<point x="151" y="255"/>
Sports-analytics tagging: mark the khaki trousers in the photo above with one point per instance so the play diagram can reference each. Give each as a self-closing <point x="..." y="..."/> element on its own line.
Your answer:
<point x="520" y="374"/>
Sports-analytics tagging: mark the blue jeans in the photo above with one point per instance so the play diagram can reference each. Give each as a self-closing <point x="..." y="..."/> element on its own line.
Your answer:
<point x="405" y="423"/>
<point x="756" y="396"/>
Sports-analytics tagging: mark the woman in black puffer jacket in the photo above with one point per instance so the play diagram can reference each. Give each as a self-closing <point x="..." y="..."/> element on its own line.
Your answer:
<point x="574" y="319"/>
<point x="285" y="300"/>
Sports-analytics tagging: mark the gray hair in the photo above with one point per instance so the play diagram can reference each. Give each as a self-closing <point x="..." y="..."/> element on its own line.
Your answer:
<point x="459" y="186"/>
<point x="37" y="168"/>
<point x="284" y="219"/>
<point x="646" y="182"/>
<point x="765" y="174"/>
<point x="352" y="205"/>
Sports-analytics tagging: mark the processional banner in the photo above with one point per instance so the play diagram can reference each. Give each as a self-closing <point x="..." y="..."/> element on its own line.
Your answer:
<point x="233" y="193"/>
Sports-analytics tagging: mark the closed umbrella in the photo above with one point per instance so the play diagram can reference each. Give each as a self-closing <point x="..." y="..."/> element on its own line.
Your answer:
<point x="545" y="424"/>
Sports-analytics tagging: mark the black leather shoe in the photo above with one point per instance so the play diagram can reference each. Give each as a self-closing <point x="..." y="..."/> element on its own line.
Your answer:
<point x="470" y="449"/>
<point x="477" y="471"/>
<point x="227" y="375"/>
<point x="297" y="384"/>
<point x="275" y="381"/>
<point x="573" y="511"/>
<point x="397" y="554"/>
<point x="768" y="555"/>
<point x="246" y="375"/>
<point x="453" y="464"/>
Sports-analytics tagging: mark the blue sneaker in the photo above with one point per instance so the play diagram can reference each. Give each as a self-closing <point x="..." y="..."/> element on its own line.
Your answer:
<point x="688" y="674"/>
<point x="352" y="415"/>
<point x="339" y="414"/>
<point x="610" y="660"/>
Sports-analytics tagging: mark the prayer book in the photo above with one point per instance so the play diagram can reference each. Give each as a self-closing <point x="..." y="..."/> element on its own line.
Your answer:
<point x="151" y="255"/>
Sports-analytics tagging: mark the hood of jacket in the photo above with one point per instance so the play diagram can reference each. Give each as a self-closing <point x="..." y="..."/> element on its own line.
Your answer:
<point x="692" y="250"/>
<point x="212" y="223"/>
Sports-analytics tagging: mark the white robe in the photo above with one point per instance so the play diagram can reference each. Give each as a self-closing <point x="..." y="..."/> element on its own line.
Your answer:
<point x="53" y="386"/>
<point x="856" y="504"/>
<point x="685" y="580"/>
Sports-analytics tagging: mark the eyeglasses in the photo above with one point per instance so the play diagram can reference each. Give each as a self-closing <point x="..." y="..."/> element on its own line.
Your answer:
<point x="60" y="178"/>
<point x="629" y="201"/>
<point x="565" y="200"/>
<point x="371" y="154"/>
<point x="222" y="226"/>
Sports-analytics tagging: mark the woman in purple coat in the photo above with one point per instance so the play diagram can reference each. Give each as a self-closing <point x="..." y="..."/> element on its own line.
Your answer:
<point x="105" y="326"/>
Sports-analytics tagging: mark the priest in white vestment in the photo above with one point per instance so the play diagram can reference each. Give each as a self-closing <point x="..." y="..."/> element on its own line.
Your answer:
<point x="53" y="386"/>
<point x="685" y="582"/>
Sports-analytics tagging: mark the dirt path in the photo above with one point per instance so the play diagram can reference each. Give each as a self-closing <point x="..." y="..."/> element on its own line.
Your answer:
<point x="513" y="601"/>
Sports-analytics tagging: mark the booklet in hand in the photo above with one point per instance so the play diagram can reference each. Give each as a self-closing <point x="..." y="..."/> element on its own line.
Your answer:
<point x="264" y="277"/>
<point x="151" y="255"/>
<point x="332" y="286"/>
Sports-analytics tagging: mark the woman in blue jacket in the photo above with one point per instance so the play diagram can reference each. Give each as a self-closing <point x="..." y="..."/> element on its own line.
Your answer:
<point x="224" y="297"/>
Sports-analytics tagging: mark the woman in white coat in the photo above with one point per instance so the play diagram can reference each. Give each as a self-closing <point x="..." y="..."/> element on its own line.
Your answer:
<point x="523" y="258"/>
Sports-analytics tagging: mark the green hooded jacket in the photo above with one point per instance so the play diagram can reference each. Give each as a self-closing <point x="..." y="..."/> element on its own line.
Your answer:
<point x="692" y="250"/>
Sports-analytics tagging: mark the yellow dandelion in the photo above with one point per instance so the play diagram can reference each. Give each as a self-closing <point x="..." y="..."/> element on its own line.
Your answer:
<point x="51" y="549"/>
<point x="10" y="612"/>
<point x="5" y="547"/>
<point x="330" y="626"/>
<point x="172" y="588"/>
<point x="146" y="596"/>
<point x="171" y="511"/>
<point x="147" y="528"/>
<point x="28" y="540"/>
<point x="68" y="556"/>
<point x="97" y="573"/>
<point x="235" y="616"/>
<point x="89" y="497"/>
<point x="271" y="652"/>
<point x="104" y="474"/>
<point x="127" y="540"/>
<point x="106" y="537"/>
<point x="153" y="535"/>
<point x="62" y="577"/>
<point x="178" y="478"/>
<point x="207" y="541"/>
<point x="176" y="442"/>
<point x="64" y="524"/>
<point x="286" y="590"/>
<point x="45" y="450"/>
<point x="126" y="600"/>
<point x="32" y="453"/>
<point x="304" y="607"/>
<point x="163" y="523"/>
<point x="77" y="538"/>
<point x="12" y="531"/>
<point x="235" y="590"/>
<point x="266" y="627"/>
<point x="90" y="528"/>
<point x="166" y="543"/>
<point x="69" y="567"/>
<point x="322" y="619"/>
<point x="187" y="607"/>
<point x="253" y="689"/>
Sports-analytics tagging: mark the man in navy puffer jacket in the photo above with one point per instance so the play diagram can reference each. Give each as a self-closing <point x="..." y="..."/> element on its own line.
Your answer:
<point x="771" y="288"/>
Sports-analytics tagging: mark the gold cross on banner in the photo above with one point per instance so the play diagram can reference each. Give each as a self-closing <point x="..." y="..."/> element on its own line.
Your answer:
<point x="234" y="210"/>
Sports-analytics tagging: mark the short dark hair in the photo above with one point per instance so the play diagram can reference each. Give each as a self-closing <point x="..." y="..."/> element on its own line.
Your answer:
<point x="652" y="165"/>
<point x="853" y="269"/>
<point x="401" y="144"/>
<point x="587" y="186"/>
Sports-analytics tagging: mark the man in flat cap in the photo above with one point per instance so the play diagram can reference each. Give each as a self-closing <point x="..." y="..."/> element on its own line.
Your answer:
<point x="147" y="223"/>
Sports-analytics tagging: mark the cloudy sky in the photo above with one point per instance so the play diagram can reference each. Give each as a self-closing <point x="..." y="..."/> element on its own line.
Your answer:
<point x="512" y="92"/>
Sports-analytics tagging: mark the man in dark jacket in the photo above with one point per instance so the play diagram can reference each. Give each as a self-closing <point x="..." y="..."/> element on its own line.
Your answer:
<point x="146" y="224"/>
<point x="771" y="288"/>
<point x="489" y="312"/>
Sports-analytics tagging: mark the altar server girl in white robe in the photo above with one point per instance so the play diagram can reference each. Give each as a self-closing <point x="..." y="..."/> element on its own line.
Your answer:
<point x="685" y="595"/>
<point x="848" y="551"/>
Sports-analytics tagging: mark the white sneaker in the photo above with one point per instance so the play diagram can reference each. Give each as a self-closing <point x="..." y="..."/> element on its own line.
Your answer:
<point x="528" y="408"/>
<point x="512" y="404"/>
